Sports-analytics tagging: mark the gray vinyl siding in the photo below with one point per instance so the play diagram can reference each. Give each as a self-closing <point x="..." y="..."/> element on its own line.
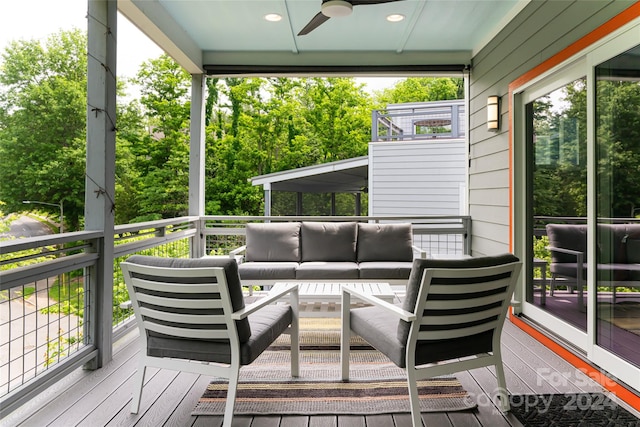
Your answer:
<point x="417" y="178"/>
<point x="541" y="30"/>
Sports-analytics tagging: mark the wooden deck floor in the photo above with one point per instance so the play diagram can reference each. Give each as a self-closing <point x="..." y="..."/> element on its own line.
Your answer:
<point x="102" y="397"/>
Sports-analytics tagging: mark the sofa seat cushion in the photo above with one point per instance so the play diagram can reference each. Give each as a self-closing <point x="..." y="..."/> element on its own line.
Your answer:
<point x="318" y="270"/>
<point x="274" y="242"/>
<point x="267" y="270"/>
<point x="385" y="270"/>
<point x="328" y="241"/>
<point x="266" y="324"/>
<point x="384" y="242"/>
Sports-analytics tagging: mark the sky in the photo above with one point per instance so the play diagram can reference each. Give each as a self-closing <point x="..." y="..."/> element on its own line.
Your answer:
<point x="38" y="19"/>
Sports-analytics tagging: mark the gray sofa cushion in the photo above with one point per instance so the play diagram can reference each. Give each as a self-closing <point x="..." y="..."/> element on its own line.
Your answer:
<point x="384" y="242"/>
<point x="273" y="242"/>
<point x="255" y="270"/>
<point x="318" y="270"/>
<point x="328" y="241"/>
<point x="379" y="328"/>
<point x="385" y="270"/>
<point x="231" y="272"/>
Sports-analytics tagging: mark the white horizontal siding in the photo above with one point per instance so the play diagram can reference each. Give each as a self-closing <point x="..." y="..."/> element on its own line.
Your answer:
<point x="417" y="178"/>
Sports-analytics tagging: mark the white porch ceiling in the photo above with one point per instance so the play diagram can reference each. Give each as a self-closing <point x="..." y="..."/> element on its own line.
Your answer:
<point x="233" y="34"/>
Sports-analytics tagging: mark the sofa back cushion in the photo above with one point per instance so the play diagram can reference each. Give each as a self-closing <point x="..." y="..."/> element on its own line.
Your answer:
<point x="328" y="241"/>
<point x="273" y="242"/>
<point x="384" y="242"/>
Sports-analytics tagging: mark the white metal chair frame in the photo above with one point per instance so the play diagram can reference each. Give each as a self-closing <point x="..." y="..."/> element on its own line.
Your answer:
<point x="416" y="319"/>
<point x="147" y="321"/>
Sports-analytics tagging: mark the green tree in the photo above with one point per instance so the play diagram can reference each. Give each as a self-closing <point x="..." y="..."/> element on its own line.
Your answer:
<point x="422" y="89"/>
<point x="162" y="154"/>
<point x="42" y="123"/>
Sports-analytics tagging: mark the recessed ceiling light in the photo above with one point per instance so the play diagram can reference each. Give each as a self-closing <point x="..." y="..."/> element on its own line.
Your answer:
<point x="273" y="17"/>
<point x="396" y="17"/>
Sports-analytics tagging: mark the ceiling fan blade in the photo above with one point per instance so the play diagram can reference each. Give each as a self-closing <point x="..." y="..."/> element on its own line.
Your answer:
<point x="315" y="22"/>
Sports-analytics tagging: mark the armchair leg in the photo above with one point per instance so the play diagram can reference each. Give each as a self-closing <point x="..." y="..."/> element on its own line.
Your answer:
<point x="502" y="393"/>
<point x="414" y="400"/>
<point x="138" y="383"/>
<point x="232" y="389"/>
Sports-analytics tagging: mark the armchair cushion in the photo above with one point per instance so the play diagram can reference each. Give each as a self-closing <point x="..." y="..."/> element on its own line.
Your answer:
<point x="329" y="241"/>
<point x="266" y="323"/>
<point x="273" y="242"/>
<point x="384" y="242"/>
<point x="379" y="328"/>
<point x="231" y="272"/>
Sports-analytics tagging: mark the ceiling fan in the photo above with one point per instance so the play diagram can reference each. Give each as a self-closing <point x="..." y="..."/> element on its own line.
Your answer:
<point x="335" y="9"/>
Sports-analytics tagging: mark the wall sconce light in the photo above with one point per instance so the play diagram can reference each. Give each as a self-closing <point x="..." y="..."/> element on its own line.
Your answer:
<point x="493" y="113"/>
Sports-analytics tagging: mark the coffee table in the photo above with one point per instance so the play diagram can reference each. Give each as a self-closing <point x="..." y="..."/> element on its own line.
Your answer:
<point x="317" y="295"/>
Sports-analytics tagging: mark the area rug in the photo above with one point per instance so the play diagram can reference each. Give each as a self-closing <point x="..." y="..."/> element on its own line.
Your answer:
<point x="319" y="333"/>
<point x="376" y="386"/>
<point x="624" y="314"/>
<point x="565" y="410"/>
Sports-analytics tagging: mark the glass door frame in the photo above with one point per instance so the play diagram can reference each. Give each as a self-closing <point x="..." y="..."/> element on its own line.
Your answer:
<point x="581" y="64"/>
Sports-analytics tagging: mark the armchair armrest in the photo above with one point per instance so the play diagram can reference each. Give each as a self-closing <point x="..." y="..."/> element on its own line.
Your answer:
<point x="268" y="299"/>
<point x="347" y="291"/>
<point x="237" y="253"/>
<point x="422" y="254"/>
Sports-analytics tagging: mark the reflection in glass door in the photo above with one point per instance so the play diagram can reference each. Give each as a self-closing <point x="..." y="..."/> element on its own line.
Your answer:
<point x="556" y="124"/>
<point x="617" y="129"/>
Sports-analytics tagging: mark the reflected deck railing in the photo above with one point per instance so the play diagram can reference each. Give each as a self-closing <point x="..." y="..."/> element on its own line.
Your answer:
<point x="53" y="302"/>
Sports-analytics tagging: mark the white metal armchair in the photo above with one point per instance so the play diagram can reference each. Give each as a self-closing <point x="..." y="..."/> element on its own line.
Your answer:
<point x="193" y="310"/>
<point x="453" y="309"/>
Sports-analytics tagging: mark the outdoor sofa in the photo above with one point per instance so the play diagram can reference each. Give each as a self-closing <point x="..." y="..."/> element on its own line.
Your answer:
<point x="326" y="252"/>
<point x="618" y="255"/>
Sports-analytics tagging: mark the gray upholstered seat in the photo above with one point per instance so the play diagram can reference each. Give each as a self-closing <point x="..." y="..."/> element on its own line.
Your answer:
<point x="193" y="310"/>
<point x="452" y="309"/>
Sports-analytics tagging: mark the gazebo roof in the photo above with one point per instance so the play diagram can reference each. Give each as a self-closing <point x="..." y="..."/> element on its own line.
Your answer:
<point x="343" y="176"/>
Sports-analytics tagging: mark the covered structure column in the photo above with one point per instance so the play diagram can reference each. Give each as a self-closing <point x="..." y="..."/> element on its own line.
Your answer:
<point x="197" y="159"/>
<point x="100" y="173"/>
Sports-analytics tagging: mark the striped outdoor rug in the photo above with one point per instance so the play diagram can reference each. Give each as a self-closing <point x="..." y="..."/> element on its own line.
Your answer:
<point x="376" y="386"/>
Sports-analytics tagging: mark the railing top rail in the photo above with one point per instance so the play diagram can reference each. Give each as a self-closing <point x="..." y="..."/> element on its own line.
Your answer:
<point x="15" y="245"/>
<point x="336" y="218"/>
<point x="128" y="228"/>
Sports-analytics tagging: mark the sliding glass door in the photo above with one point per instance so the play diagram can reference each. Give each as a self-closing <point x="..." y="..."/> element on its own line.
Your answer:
<point x="617" y="137"/>
<point x="577" y="140"/>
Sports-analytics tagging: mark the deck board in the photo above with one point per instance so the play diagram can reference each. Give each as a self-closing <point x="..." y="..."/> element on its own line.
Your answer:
<point x="103" y="397"/>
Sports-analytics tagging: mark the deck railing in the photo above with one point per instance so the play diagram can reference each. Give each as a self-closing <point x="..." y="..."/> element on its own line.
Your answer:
<point x="49" y="302"/>
<point x="425" y="120"/>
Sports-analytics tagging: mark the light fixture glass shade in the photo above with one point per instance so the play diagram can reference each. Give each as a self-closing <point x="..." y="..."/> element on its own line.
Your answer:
<point x="336" y="8"/>
<point x="493" y="113"/>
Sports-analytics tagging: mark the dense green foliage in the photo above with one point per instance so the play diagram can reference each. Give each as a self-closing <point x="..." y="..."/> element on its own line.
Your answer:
<point x="254" y="126"/>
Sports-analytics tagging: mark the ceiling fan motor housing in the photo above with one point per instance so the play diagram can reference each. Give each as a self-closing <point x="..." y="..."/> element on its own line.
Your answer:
<point x="336" y="8"/>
